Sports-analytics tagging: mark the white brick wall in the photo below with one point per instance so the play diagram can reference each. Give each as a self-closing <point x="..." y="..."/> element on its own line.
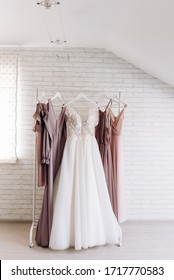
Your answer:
<point x="148" y="132"/>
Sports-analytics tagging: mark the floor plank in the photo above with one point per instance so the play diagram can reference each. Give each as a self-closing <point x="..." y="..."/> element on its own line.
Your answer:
<point x="141" y="240"/>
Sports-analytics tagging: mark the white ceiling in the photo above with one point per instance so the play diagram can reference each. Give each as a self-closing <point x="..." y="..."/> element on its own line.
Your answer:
<point x="140" y="31"/>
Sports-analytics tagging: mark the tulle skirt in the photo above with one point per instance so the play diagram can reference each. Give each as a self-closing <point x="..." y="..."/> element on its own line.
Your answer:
<point x="83" y="216"/>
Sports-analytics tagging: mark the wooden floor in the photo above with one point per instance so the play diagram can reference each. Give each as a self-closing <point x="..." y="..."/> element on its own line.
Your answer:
<point x="142" y="240"/>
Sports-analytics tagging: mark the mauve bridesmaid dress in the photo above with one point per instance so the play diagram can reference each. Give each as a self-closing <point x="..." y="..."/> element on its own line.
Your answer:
<point x="103" y="135"/>
<point x="54" y="138"/>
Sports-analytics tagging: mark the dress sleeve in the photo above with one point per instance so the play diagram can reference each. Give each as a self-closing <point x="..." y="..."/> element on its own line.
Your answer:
<point x="38" y="127"/>
<point x="49" y="131"/>
<point x="46" y="149"/>
<point x="37" y="120"/>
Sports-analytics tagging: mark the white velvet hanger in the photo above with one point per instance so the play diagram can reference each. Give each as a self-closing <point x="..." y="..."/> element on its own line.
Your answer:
<point x="113" y="97"/>
<point x="39" y="99"/>
<point x="81" y="96"/>
<point x="57" y="94"/>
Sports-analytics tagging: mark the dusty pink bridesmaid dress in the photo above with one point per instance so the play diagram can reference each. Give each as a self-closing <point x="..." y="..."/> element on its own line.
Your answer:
<point x="119" y="199"/>
<point x="108" y="135"/>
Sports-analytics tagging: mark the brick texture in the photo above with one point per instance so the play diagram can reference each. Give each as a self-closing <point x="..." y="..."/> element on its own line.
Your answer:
<point x="148" y="133"/>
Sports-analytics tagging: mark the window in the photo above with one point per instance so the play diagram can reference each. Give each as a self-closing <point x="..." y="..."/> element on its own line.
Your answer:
<point x="8" y="100"/>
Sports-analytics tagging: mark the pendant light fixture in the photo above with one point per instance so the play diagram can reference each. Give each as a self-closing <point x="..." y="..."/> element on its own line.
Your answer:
<point x="47" y="4"/>
<point x="59" y="39"/>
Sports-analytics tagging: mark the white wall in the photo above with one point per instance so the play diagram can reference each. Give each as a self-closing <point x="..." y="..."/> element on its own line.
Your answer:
<point x="148" y="132"/>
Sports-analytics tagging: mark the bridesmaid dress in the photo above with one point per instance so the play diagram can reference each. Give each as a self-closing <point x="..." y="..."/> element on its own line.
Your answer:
<point x="108" y="135"/>
<point x="52" y="151"/>
<point x="119" y="201"/>
<point x="103" y="135"/>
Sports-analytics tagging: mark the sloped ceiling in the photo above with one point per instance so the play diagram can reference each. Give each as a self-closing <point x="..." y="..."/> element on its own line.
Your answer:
<point x="140" y="31"/>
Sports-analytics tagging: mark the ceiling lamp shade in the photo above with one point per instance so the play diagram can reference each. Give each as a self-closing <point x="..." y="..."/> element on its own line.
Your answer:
<point x="47" y="4"/>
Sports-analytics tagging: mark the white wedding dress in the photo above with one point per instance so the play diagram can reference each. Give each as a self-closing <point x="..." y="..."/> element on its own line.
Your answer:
<point x="83" y="216"/>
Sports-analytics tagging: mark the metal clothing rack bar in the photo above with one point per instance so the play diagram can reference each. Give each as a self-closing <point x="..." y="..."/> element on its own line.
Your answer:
<point x="34" y="217"/>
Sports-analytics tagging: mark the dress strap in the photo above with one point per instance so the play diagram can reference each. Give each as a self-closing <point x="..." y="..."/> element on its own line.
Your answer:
<point x="109" y="104"/>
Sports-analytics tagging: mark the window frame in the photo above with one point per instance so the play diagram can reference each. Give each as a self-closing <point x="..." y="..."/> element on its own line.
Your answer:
<point x="13" y="158"/>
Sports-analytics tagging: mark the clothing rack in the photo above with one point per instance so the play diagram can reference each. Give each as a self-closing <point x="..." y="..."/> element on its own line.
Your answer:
<point x="35" y="218"/>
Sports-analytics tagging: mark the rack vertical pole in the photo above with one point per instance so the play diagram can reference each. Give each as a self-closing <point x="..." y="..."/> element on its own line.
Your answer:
<point x="34" y="222"/>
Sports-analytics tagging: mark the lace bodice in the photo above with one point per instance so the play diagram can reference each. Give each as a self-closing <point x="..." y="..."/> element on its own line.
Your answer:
<point x="81" y="124"/>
